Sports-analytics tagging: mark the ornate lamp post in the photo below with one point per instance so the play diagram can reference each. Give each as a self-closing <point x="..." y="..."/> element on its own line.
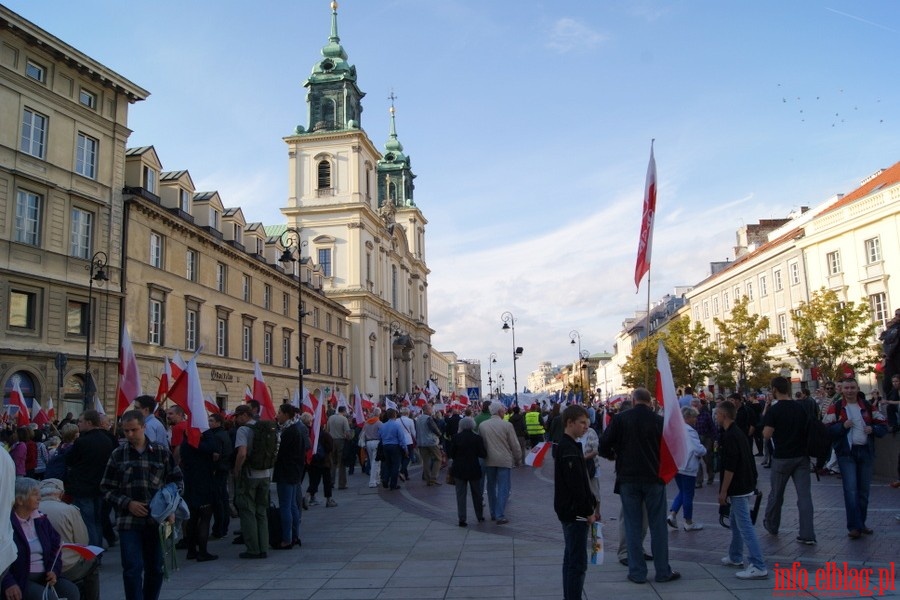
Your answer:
<point x="97" y="269"/>
<point x="509" y="323"/>
<point x="492" y="360"/>
<point x="291" y="240"/>
<point x="394" y="332"/>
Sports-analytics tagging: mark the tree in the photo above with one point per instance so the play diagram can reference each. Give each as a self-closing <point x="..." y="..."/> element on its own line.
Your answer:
<point x="750" y="331"/>
<point x="690" y="353"/>
<point x="639" y="369"/>
<point x="829" y="333"/>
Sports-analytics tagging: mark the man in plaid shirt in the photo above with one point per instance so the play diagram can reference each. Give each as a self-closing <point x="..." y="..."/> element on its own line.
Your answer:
<point x="134" y="473"/>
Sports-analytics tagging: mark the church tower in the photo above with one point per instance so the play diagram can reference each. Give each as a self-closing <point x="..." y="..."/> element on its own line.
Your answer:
<point x="354" y="207"/>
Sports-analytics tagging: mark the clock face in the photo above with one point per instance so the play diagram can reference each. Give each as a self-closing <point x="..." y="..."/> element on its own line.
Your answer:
<point x="327" y="64"/>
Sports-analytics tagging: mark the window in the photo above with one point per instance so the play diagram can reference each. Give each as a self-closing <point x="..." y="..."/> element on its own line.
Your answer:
<point x="82" y="225"/>
<point x="873" y="250"/>
<point x="368" y="266"/>
<point x="191" y="259"/>
<point x="150" y="180"/>
<point x="324" y="175"/>
<point x="715" y="305"/>
<point x="87" y="98"/>
<point x="328" y="322"/>
<point x="726" y="304"/>
<point x="36" y="71"/>
<point x="86" y="156"/>
<point x="77" y="318"/>
<point x="156" y="250"/>
<point x="303" y="350"/>
<point x="22" y="310"/>
<point x="315" y="316"/>
<point x="28" y="218"/>
<point x="763" y="286"/>
<point x="878" y="306"/>
<point x="697" y="313"/>
<point x="34" y="133"/>
<point x="776" y="278"/>
<point x="317" y="356"/>
<point x="221" y="336"/>
<point x="220" y="277"/>
<point x="833" y="259"/>
<point x="329" y="359"/>
<point x="245" y="287"/>
<point x="286" y="350"/>
<point x="184" y="203"/>
<point x="340" y="323"/>
<point x="341" y="362"/>
<point x="394" y="284"/>
<point x="267" y="296"/>
<point x="737" y="293"/>
<point x="237" y="232"/>
<point x="267" y="347"/>
<point x="783" y="328"/>
<point x="750" y="291"/>
<point x="191" y="329"/>
<point x="706" y="309"/>
<point x="285" y="303"/>
<point x="794" y="269"/>
<point x="246" y="342"/>
<point x="213" y="218"/>
<point x="371" y="360"/>
<point x="156" y="323"/>
<point x="325" y="261"/>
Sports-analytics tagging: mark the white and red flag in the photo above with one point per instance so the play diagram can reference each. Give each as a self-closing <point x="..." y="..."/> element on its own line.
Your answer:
<point x="358" y="414"/>
<point x="261" y="394"/>
<point x="645" y="243"/>
<point x="17" y="399"/>
<point x="462" y="398"/>
<point x="535" y="458"/>
<point x="187" y="393"/>
<point x="165" y="380"/>
<point x="38" y="414"/>
<point x="129" y="385"/>
<point x="210" y="404"/>
<point x="674" y="445"/>
<point x="51" y="412"/>
<point x="432" y="389"/>
<point x="248" y="394"/>
<point x="421" y="400"/>
<point x="318" y="418"/>
<point x="98" y="406"/>
<point x="307" y="402"/>
<point x="178" y="365"/>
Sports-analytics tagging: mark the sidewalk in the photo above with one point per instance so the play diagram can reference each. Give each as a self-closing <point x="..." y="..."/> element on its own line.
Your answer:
<point x="406" y="544"/>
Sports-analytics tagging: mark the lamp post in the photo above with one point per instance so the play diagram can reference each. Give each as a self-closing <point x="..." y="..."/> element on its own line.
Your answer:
<point x="574" y="335"/>
<point x="97" y="269"/>
<point x="585" y="366"/>
<point x="492" y="360"/>
<point x="393" y="332"/>
<point x="292" y="240"/>
<point x="742" y="375"/>
<point x="499" y="385"/>
<point x="509" y="323"/>
<point x="605" y="358"/>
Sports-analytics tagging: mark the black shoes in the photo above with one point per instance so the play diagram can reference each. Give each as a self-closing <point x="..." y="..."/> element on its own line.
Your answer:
<point x="251" y="555"/>
<point x="206" y="557"/>
<point x="673" y="576"/>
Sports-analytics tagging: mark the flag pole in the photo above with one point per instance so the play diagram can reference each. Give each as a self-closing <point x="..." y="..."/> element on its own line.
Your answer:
<point x="649" y="354"/>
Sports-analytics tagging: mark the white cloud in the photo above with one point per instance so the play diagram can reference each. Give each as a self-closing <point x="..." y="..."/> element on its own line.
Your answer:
<point x="567" y="35"/>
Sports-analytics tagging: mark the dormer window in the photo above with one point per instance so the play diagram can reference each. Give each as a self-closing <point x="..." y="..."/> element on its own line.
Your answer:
<point x="324" y="175"/>
<point x="238" y="232"/>
<point x="150" y="180"/>
<point x="36" y="71"/>
<point x="87" y="98"/>
<point x="213" y="218"/>
<point x="260" y="247"/>
<point x="184" y="201"/>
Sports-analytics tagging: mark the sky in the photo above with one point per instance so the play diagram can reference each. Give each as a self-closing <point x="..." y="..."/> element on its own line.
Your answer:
<point x="529" y="125"/>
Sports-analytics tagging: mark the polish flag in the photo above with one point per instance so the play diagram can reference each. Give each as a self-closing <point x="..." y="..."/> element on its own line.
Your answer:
<point x="248" y="394"/>
<point x="421" y="400"/>
<point x="211" y="406"/>
<point x="645" y="244"/>
<point x="674" y="445"/>
<point x="129" y="386"/>
<point x="51" y="412"/>
<point x="86" y="552"/>
<point x="367" y="403"/>
<point x="358" y="414"/>
<point x="462" y="399"/>
<point x="17" y="399"/>
<point x="405" y="401"/>
<point x="38" y="415"/>
<point x="98" y="406"/>
<point x="308" y="403"/>
<point x="390" y="404"/>
<point x="261" y="394"/>
<point x="333" y="399"/>
<point x="187" y="393"/>
<point x="318" y="418"/>
<point x="165" y="380"/>
<point x="342" y="400"/>
<point x="535" y="458"/>
<point x="431" y="389"/>
<point x="178" y="365"/>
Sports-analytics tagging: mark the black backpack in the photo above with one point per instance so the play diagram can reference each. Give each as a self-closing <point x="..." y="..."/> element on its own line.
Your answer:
<point x="264" y="448"/>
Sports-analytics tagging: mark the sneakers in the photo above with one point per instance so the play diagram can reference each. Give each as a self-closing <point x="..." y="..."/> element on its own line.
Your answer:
<point x="752" y="573"/>
<point x="808" y="542"/>
<point x="672" y="520"/>
<point x="305" y="503"/>
<point x="693" y="526"/>
<point x="726" y="561"/>
<point x="330" y="503"/>
<point x="313" y="501"/>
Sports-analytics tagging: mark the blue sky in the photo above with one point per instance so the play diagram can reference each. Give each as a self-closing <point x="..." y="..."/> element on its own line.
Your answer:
<point x="529" y="127"/>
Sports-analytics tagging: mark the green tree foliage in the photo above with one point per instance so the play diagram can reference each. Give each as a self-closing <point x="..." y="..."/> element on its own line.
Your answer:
<point x="639" y="369"/>
<point x="829" y="332"/>
<point x="752" y="332"/>
<point x="690" y="354"/>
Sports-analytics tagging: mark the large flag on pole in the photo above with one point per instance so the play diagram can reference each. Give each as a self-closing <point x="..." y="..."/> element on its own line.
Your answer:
<point x="129" y="386"/>
<point x="674" y="445"/>
<point x="17" y="399"/>
<point x="165" y="380"/>
<point x="50" y="411"/>
<point x="38" y="415"/>
<point x="358" y="414"/>
<point x="645" y="244"/>
<point x="187" y="393"/>
<point x="261" y="394"/>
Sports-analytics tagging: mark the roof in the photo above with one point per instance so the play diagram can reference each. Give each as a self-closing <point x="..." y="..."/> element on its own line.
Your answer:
<point x="888" y="177"/>
<point x="138" y="151"/>
<point x="172" y="175"/>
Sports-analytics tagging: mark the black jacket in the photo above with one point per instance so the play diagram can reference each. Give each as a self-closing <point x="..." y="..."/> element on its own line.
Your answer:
<point x="734" y="447"/>
<point x="572" y="495"/>
<point x="466" y="447"/>
<point x="199" y="468"/>
<point x="291" y="457"/>
<point x="86" y="463"/>
<point x="632" y="440"/>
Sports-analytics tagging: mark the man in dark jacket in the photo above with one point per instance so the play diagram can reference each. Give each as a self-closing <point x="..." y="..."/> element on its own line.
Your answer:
<point x="633" y="440"/>
<point x="573" y="500"/>
<point x="85" y="465"/>
<point x="289" y="466"/>
<point x="223" y="462"/>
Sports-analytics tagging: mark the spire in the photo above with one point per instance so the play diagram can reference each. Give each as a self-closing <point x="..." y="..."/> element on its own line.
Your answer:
<point x="334" y="49"/>
<point x="393" y="144"/>
<point x="395" y="178"/>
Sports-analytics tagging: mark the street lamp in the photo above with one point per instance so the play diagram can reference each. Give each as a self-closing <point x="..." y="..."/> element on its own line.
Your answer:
<point x="492" y="360"/>
<point x="394" y="332"/>
<point x="604" y="360"/>
<point x="291" y="240"/>
<point x="97" y="269"/>
<point x="586" y="367"/>
<point x="509" y="323"/>
<point x="499" y="385"/>
<point x="574" y="335"/>
<point x="742" y="350"/>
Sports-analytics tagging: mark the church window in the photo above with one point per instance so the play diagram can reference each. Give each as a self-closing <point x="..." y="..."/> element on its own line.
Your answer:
<point x="324" y="173"/>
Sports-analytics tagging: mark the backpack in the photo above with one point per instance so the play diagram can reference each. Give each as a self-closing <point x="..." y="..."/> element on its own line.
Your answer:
<point x="264" y="448"/>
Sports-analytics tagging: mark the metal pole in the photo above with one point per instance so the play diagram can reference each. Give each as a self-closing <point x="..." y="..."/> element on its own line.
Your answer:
<point x="291" y="238"/>
<point x="95" y="272"/>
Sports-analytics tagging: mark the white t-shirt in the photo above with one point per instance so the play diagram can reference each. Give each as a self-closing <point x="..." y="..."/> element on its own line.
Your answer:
<point x="858" y="435"/>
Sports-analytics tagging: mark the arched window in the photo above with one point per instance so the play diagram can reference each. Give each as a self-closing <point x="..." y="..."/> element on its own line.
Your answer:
<point x="392" y="192"/>
<point x="324" y="175"/>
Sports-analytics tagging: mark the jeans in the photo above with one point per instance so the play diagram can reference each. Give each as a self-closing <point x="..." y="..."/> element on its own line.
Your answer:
<point x="685" y="498"/>
<point x="251" y="498"/>
<point x="743" y="533"/>
<point x="142" y="568"/>
<point x="475" y="486"/>
<point x="374" y="465"/>
<point x="338" y="469"/>
<point x="622" y="550"/>
<point x="390" y="468"/>
<point x="289" y="511"/>
<point x="634" y="497"/>
<point x="796" y="469"/>
<point x="497" y="490"/>
<point x="91" y="508"/>
<point x="574" y="566"/>
<point x="856" y="478"/>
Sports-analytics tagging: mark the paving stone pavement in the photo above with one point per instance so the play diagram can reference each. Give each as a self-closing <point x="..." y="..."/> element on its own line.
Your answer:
<point x="406" y="544"/>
